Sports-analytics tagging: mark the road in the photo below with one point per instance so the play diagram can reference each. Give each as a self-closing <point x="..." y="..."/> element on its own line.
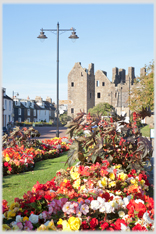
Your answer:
<point x="50" y="132"/>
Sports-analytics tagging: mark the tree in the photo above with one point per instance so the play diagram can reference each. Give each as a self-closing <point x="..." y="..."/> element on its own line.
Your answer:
<point x="142" y="92"/>
<point x="101" y="109"/>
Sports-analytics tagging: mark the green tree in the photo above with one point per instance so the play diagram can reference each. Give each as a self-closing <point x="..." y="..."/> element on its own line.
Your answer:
<point x="142" y="92"/>
<point x="101" y="109"/>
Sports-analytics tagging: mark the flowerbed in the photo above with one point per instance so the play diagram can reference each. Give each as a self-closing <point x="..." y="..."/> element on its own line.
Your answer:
<point x="106" y="190"/>
<point x="96" y="197"/>
<point x="19" y="159"/>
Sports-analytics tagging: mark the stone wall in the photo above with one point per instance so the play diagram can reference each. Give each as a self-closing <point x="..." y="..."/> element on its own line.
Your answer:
<point x="87" y="90"/>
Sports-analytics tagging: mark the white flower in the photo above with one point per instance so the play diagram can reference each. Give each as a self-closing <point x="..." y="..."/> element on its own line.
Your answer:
<point x="58" y="146"/>
<point x="124" y="227"/>
<point x="19" y="218"/>
<point x="33" y="218"/>
<point x="101" y="201"/>
<point x="13" y="223"/>
<point x="127" y="200"/>
<point x="95" y="205"/>
<point x="102" y="209"/>
<point x="121" y="214"/>
<point x="147" y="218"/>
<point x="40" y="216"/>
<point x="139" y="200"/>
<point x="109" y="208"/>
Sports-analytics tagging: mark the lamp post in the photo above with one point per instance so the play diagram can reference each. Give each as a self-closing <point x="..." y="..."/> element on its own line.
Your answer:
<point x="72" y="36"/>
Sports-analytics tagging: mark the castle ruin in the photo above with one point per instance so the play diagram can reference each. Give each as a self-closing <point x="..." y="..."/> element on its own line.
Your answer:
<point x="86" y="89"/>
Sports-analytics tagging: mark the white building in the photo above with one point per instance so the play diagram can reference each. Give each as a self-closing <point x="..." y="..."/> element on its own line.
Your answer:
<point x="62" y="109"/>
<point x="7" y="109"/>
<point x="42" y="111"/>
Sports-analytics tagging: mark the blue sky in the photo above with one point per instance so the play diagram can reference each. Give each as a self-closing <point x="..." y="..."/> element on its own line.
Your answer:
<point x="110" y="35"/>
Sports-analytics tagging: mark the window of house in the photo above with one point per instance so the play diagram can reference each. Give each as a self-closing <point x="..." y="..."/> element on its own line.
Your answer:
<point x="28" y="112"/>
<point x="10" y="105"/>
<point x="34" y="112"/>
<point x="45" y="112"/>
<point x="19" y="120"/>
<point x="97" y="83"/>
<point x="72" y="110"/>
<point x="19" y="111"/>
<point x="103" y="83"/>
<point x="5" y="104"/>
<point x="8" y="118"/>
<point x="72" y="84"/>
<point x="90" y="95"/>
<point x="98" y="95"/>
<point x="28" y="119"/>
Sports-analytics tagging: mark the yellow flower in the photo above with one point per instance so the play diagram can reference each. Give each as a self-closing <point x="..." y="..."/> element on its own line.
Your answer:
<point x="104" y="181"/>
<point x="76" y="183"/>
<point x="112" y="176"/>
<point x="51" y="225"/>
<point x="133" y="181"/>
<point x="122" y="176"/>
<point x="7" y="158"/>
<point x="60" y="221"/>
<point x="118" y="166"/>
<point x="65" y="180"/>
<point x="74" y="175"/>
<point x="74" y="223"/>
<point x="142" y="182"/>
<point x="65" y="226"/>
<point x="82" y="187"/>
<point x="42" y="228"/>
<point x="11" y="214"/>
<point x="25" y="218"/>
<point x="5" y="227"/>
<point x="112" y="184"/>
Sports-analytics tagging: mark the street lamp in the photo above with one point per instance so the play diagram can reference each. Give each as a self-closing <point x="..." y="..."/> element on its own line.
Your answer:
<point x="72" y="36"/>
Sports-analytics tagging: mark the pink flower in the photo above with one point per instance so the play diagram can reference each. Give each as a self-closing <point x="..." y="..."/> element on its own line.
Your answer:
<point x="20" y="225"/>
<point x="28" y="225"/>
<point x="68" y="208"/>
<point x="84" y="209"/>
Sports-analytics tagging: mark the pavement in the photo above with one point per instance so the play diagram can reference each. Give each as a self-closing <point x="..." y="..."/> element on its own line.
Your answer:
<point x="50" y="132"/>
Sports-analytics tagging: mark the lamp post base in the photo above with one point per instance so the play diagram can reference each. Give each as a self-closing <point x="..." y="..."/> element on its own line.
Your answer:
<point x="57" y="133"/>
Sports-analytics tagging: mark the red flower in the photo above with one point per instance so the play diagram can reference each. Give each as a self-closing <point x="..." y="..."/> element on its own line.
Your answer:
<point x="138" y="227"/>
<point x="6" y="164"/>
<point x="104" y="225"/>
<point x="118" y="223"/>
<point x="48" y="197"/>
<point x="9" y="168"/>
<point x="85" y="225"/>
<point x="93" y="223"/>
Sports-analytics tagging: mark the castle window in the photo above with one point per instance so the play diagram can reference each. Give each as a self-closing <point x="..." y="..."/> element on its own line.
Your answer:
<point x="115" y="95"/>
<point x="97" y="83"/>
<point x="81" y="74"/>
<point x="98" y="95"/>
<point x="72" y="84"/>
<point x="72" y="110"/>
<point x="103" y="83"/>
<point x="90" y="95"/>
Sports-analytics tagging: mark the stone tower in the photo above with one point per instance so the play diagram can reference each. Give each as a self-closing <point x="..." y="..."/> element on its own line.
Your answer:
<point x="81" y="89"/>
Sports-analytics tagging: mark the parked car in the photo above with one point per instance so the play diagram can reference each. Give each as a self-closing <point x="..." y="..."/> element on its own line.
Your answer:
<point x="5" y="131"/>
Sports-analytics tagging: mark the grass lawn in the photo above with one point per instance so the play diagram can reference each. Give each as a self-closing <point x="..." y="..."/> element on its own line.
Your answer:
<point x="18" y="184"/>
<point x="145" y="131"/>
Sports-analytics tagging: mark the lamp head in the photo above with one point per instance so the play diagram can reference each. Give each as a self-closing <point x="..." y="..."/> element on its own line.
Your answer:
<point x="42" y="36"/>
<point x="73" y="35"/>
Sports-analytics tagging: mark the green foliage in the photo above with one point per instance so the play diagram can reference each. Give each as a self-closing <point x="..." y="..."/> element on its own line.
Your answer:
<point x="101" y="109"/>
<point x="142" y="92"/>
<point x="64" y="118"/>
<point x="115" y="140"/>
